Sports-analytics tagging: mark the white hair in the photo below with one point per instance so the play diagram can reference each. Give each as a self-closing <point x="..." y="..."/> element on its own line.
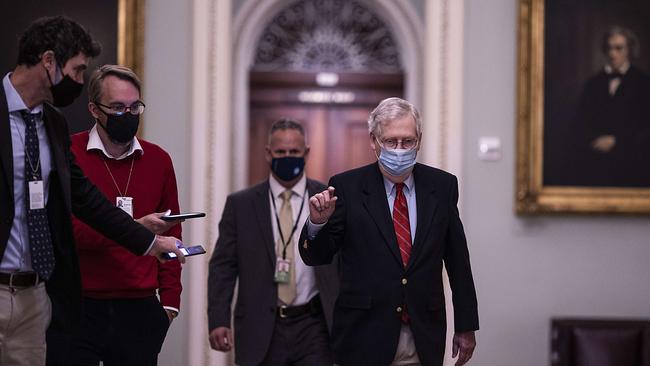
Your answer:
<point x="391" y="109"/>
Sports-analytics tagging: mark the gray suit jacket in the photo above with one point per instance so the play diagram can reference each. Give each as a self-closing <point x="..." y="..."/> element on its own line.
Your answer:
<point x="245" y="250"/>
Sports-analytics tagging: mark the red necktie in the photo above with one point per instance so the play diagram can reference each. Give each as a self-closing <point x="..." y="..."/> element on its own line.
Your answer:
<point x="402" y="231"/>
<point x="401" y="224"/>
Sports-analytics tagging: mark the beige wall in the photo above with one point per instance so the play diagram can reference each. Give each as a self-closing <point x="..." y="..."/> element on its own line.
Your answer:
<point x="166" y="91"/>
<point x="528" y="270"/>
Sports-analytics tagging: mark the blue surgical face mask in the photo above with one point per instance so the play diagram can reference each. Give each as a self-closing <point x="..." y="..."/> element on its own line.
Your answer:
<point x="397" y="162"/>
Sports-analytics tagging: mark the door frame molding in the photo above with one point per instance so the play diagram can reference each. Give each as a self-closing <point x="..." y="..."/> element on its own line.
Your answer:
<point x="248" y="26"/>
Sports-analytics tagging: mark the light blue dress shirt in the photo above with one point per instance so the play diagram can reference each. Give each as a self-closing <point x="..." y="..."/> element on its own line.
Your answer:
<point x="17" y="255"/>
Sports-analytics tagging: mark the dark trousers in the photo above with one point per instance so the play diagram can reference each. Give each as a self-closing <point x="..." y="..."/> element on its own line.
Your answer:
<point x="300" y="341"/>
<point x="120" y="332"/>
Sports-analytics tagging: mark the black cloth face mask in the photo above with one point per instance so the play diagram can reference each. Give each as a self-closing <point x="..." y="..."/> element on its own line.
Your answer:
<point x="121" y="128"/>
<point x="288" y="168"/>
<point x="65" y="91"/>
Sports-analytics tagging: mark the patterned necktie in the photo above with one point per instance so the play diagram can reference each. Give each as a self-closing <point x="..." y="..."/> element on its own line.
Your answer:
<point x="401" y="223"/>
<point x="402" y="227"/>
<point x="287" y="291"/>
<point x="40" y="239"/>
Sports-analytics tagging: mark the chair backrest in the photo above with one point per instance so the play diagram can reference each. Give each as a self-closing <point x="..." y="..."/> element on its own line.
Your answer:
<point x="600" y="342"/>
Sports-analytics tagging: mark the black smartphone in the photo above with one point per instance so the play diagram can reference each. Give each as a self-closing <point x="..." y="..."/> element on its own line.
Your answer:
<point x="182" y="216"/>
<point x="187" y="251"/>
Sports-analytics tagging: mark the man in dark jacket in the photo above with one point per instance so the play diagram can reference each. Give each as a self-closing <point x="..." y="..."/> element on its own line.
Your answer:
<point x="41" y="186"/>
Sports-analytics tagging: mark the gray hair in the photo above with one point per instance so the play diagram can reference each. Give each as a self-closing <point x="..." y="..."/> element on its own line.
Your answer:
<point x="630" y="39"/>
<point x="391" y="109"/>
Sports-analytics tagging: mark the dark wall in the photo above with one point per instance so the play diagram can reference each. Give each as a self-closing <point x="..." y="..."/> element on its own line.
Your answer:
<point x="573" y="34"/>
<point x="98" y="17"/>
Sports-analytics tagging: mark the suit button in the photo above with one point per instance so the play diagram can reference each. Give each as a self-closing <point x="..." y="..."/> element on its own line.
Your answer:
<point x="404" y="281"/>
<point x="399" y="309"/>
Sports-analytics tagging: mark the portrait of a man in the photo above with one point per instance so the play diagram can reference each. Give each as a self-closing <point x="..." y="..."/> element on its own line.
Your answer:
<point x="596" y="94"/>
<point x="613" y="125"/>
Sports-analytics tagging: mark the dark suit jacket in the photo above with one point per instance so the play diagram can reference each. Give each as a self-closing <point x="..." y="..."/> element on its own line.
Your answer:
<point x="69" y="193"/>
<point x="374" y="282"/>
<point x="626" y="115"/>
<point x="245" y="250"/>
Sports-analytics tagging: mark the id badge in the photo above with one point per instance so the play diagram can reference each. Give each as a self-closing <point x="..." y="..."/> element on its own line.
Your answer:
<point x="283" y="271"/>
<point x="126" y="204"/>
<point x="36" y="197"/>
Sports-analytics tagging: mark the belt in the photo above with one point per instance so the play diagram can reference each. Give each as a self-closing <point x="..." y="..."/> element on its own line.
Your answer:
<point x="313" y="307"/>
<point x="19" y="279"/>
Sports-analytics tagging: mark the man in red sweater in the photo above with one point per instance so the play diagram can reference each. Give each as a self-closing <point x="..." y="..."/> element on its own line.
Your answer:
<point x="124" y="323"/>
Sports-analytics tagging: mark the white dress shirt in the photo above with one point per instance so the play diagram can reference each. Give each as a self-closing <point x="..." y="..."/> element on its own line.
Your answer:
<point x="95" y="143"/>
<point x="305" y="277"/>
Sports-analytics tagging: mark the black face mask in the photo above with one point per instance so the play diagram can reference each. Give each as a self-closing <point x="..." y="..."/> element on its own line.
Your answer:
<point x="288" y="168"/>
<point x="65" y="92"/>
<point x="122" y="128"/>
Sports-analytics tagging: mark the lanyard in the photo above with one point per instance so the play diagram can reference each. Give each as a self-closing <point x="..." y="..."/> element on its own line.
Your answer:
<point x="115" y="182"/>
<point x="285" y="243"/>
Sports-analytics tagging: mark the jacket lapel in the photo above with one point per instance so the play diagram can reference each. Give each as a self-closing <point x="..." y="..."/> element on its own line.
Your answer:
<point x="427" y="204"/>
<point x="6" y="152"/>
<point x="59" y="159"/>
<point x="263" y="215"/>
<point x="376" y="204"/>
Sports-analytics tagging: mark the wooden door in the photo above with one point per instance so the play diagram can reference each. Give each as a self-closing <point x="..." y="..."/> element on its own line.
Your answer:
<point x="335" y="124"/>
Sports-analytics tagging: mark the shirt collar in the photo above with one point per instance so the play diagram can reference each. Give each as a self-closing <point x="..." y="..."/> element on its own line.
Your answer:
<point x="609" y="69"/>
<point x="297" y="189"/>
<point x="95" y="143"/>
<point x="408" y="190"/>
<point x="14" y="102"/>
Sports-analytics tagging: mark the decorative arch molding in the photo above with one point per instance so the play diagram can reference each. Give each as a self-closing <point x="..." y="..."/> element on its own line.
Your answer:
<point x="255" y="15"/>
<point x="327" y="35"/>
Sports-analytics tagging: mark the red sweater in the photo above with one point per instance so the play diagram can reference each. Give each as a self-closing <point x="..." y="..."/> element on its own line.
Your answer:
<point x="108" y="270"/>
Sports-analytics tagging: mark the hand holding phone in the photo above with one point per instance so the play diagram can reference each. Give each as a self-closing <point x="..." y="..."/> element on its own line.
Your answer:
<point x="182" y="216"/>
<point x="188" y="252"/>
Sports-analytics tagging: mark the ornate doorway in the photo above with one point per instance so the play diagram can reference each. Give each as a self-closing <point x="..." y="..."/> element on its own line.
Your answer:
<point x="326" y="64"/>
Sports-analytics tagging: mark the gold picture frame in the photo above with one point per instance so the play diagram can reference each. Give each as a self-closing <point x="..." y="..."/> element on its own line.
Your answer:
<point x="130" y="40"/>
<point x="130" y="35"/>
<point x="532" y="195"/>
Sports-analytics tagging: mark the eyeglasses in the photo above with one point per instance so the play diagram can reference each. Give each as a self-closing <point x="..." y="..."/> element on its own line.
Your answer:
<point x="119" y="108"/>
<point x="408" y="143"/>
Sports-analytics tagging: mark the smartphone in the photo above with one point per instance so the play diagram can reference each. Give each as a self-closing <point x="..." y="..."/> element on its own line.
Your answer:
<point x="182" y="216"/>
<point x="188" y="252"/>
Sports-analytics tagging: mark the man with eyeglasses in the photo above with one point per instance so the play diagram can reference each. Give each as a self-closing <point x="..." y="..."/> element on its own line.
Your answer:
<point x="394" y="223"/>
<point x="41" y="186"/>
<point x="124" y="323"/>
<point x="612" y="133"/>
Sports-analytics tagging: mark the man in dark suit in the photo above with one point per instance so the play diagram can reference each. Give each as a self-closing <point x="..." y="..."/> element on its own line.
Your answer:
<point x="283" y="306"/>
<point x="393" y="224"/>
<point x="40" y="188"/>
<point x="612" y="133"/>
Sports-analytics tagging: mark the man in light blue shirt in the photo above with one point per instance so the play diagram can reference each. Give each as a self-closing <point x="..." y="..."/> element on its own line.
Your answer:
<point x="40" y="188"/>
<point x="393" y="224"/>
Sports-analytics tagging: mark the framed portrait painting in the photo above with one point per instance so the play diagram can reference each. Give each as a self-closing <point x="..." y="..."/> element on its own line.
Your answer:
<point x="583" y="121"/>
<point x="118" y="25"/>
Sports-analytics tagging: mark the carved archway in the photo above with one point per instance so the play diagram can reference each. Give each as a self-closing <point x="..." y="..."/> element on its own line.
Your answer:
<point x="327" y="35"/>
